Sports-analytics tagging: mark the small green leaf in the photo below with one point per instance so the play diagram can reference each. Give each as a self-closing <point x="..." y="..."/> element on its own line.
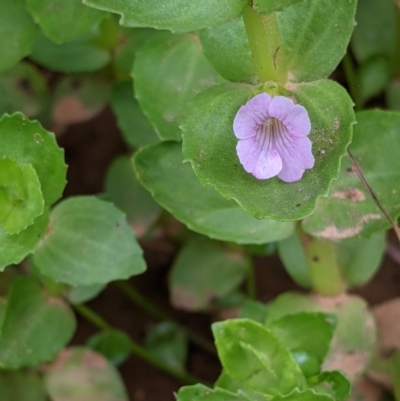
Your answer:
<point x="270" y="6"/>
<point x="226" y="47"/>
<point x="115" y="345"/>
<point x="78" y="98"/>
<point x="84" y="293"/>
<point x="355" y="335"/>
<point x="332" y="23"/>
<point x="200" y="207"/>
<point x="253" y="310"/>
<point x="124" y="190"/>
<point x="210" y="145"/>
<point x="14" y="248"/>
<point x="48" y="324"/>
<point x="376" y="30"/>
<point x="168" y="344"/>
<point x="349" y="211"/>
<point x="21" y="200"/>
<point x="175" y="15"/>
<point x="79" y="374"/>
<point x="17" y="32"/>
<point x="293" y="331"/>
<point x="135" y="127"/>
<point x="305" y="395"/>
<point x="88" y="242"/>
<point x="21" y="386"/>
<point x="81" y="55"/>
<point x="335" y="383"/>
<point x="169" y="71"/>
<point x="63" y="21"/>
<point x="199" y="392"/>
<point x="252" y="355"/>
<point x="26" y="142"/>
<point x="203" y="272"/>
<point x="24" y="89"/>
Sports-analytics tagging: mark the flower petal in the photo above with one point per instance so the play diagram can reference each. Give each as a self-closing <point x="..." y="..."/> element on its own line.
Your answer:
<point x="248" y="151"/>
<point x="251" y="116"/>
<point x="268" y="165"/>
<point x="296" y="157"/>
<point x="280" y="107"/>
<point x="298" y="123"/>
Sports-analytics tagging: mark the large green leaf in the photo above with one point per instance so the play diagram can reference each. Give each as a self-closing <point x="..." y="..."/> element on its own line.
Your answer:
<point x="199" y="392"/>
<point x="349" y="211"/>
<point x="63" y="21"/>
<point x="175" y="15"/>
<point x="169" y="71"/>
<point x="17" y="32"/>
<point x="200" y="207"/>
<point x="334" y="382"/>
<point x="88" y="242"/>
<point x="23" y="88"/>
<point x="35" y="328"/>
<point x="124" y="190"/>
<point x="21" y="386"/>
<point x="27" y="142"/>
<point x="203" y="272"/>
<point x="79" y="374"/>
<point x="21" y="200"/>
<point x="376" y="29"/>
<point x="305" y="395"/>
<point x="80" y="55"/>
<point x="270" y="6"/>
<point x="252" y="355"/>
<point x="14" y="248"/>
<point x="135" y="127"/>
<point x="210" y="145"/>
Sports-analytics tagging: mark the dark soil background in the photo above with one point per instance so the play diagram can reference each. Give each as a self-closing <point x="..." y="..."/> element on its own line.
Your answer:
<point x="89" y="149"/>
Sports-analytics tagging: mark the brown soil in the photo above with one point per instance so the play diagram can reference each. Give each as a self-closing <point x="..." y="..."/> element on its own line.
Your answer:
<point x="89" y="149"/>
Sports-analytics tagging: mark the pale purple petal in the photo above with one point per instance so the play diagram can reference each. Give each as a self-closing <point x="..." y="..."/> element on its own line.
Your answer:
<point x="251" y="115"/>
<point x="298" y="122"/>
<point x="296" y="157"/>
<point x="268" y="165"/>
<point x="248" y="151"/>
<point x="280" y="107"/>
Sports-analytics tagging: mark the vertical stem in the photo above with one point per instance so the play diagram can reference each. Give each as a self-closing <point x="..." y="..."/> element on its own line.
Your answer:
<point x="351" y="78"/>
<point x="265" y="45"/>
<point x="396" y="58"/>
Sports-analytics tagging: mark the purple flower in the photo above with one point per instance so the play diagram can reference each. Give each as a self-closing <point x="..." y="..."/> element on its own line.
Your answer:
<point x="272" y="135"/>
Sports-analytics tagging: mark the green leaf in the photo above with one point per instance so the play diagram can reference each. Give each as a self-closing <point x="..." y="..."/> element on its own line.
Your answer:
<point x="84" y="293"/>
<point x="210" y="145"/>
<point x="293" y="331"/>
<point x="26" y="142"/>
<point x="169" y="71"/>
<point x="305" y="395"/>
<point x="78" y="98"/>
<point x="203" y="272"/>
<point x="253" y="310"/>
<point x="308" y="58"/>
<point x="200" y="392"/>
<point x="395" y="370"/>
<point x="14" y="248"/>
<point x="335" y="383"/>
<point x="376" y="29"/>
<point x="227" y="49"/>
<point x="21" y="200"/>
<point x="373" y="77"/>
<point x="251" y="354"/>
<point x="24" y="89"/>
<point x="169" y="344"/>
<point x="200" y="207"/>
<point x="81" y="55"/>
<point x="270" y="6"/>
<point x="21" y="386"/>
<point x="63" y="21"/>
<point x="79" y="374"/>
<point x="88" y="242"/>
<point x="355" y="335"/>
<point x="17" y="32"/>
<point x="392" y="95"/>
<point x="124" y="190"/>
<point x="349" y="211"/>
<point x="115" y="345"/>
<point x="175" y="15"/>
<point x="135" y="127"/>
<point x="48" y="324"/>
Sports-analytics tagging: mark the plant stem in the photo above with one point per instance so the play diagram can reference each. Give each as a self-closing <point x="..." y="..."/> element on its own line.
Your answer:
<point x="265" y="45"/>
<point x="351" y="79"/>
<point x="153" y="311"/>
<point x="136" y="349"/>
